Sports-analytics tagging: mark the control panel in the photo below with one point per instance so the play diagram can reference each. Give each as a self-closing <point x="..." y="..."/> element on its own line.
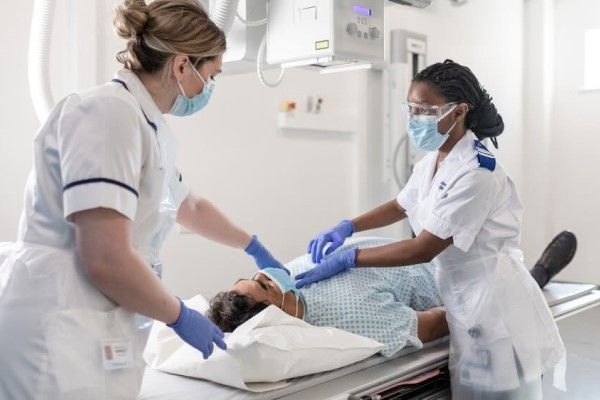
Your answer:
<point x="363" y="27"/>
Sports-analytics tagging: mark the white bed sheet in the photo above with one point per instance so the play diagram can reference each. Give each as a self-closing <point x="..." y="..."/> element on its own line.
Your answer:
<point x="158" y="385"/>
<point x="261" y="353"/>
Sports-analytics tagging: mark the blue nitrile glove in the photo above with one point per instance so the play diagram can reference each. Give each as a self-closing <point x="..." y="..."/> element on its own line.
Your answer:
<point x="330" y="266"/>
<point x="335" y="236"/>
<point x="262" y="256"/>
<point x="198" y="331"/>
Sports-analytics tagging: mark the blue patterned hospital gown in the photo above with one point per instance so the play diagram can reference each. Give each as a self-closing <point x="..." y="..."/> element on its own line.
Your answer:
<point x="378" y="303"/>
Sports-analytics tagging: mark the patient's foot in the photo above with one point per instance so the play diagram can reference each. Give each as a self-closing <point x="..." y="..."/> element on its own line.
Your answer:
<point x="557" y="255"/>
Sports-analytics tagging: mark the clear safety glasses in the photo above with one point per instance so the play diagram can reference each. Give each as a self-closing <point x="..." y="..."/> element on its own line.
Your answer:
<point x="414" y="109"/>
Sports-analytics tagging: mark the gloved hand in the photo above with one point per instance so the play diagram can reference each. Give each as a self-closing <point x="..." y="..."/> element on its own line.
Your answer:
<point x="335" y="236"/>
<point x="331" y="266"/>
<point x="262" y="256"/>
<point x="198" y="331"/>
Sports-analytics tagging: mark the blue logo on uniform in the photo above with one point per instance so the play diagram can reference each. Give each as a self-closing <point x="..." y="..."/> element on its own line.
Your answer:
<point x="442" y="185"/>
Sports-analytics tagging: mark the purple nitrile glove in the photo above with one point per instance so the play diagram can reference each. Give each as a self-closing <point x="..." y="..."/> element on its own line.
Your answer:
<point x="336" y="236"/>
<point x="329" y="267"/>
<point x="262" y="256"/>
<point x="198" y="331"/>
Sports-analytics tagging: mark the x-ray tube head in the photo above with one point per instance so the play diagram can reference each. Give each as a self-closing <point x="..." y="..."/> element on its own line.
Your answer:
<point x="325" y="33"/>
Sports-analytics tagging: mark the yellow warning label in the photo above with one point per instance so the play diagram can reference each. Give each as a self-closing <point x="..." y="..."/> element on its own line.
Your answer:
<point x="322" y="45"/>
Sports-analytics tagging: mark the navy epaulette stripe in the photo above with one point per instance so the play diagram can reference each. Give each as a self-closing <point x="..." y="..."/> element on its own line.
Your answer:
<point x="152" y="124"/>
<point x="121" y="83"/>
<point x="484" y="157"/>
<point x="96" y="180"/>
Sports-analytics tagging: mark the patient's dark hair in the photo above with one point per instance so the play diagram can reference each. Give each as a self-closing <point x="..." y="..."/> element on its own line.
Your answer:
<point x="457" y="83"/>
<point x="228" y="310"/>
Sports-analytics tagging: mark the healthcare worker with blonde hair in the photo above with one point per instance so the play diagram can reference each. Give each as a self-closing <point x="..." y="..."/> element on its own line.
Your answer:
<point x="79" y="289"/>
<point x="465" y="213"/>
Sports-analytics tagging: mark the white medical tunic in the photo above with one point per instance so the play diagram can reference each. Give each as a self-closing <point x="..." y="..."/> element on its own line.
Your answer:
<point x="502" y="332"/>
<point x="60" y="338"/>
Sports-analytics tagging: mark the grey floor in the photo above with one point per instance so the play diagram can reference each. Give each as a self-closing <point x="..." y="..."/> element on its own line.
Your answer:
<point x="581" y="335"/>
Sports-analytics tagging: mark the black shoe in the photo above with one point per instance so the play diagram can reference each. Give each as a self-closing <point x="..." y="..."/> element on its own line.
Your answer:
<point x="557" y="255"/>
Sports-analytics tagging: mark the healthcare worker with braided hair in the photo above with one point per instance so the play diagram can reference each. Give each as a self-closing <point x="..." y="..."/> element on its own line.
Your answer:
<point x="466" y="214"/>
<point x="79" y="289"/>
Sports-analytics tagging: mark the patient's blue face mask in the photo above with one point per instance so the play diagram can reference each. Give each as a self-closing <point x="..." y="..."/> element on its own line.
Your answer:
<point x="284" y="281"/>
<point x="423" y="131"/>
<point x="184" y="105"/>
<point x="281" y="278"/>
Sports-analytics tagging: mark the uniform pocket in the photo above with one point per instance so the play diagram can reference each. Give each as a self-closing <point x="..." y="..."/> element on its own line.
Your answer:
<point x="75" y="340"/>
<point x="153" y="181"/>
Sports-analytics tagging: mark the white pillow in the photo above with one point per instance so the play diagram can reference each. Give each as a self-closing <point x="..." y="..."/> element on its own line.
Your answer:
<point x="261" y="353"/>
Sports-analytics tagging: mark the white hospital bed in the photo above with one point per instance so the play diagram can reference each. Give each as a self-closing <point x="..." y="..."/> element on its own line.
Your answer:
<point x="369" y="378"/>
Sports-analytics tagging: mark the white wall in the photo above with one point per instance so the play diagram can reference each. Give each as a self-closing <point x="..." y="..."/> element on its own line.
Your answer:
<point x="538" y="85"/>
<point x="18" y="118"/>
<point x="561" y="127"/>
<point x="573" y="157"/>
<point x="283" y="186"/>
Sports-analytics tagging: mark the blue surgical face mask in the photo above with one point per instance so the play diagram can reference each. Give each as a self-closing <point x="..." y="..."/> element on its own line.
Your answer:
<point x="281" y="278"/>
<point x="423" y="131"/>
<point x="284" y="281"/>
<point x="184" y="105"/>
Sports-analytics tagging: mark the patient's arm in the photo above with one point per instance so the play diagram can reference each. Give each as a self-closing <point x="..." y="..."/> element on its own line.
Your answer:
<point x="384" y="215"/>
<point x="431" y="324"/>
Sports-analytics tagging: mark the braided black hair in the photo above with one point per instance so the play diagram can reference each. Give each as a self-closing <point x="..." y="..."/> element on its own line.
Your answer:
<point x="457" y="83"/>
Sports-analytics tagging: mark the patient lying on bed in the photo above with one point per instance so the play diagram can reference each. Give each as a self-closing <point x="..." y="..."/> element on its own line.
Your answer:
<point x="398" y="307"/>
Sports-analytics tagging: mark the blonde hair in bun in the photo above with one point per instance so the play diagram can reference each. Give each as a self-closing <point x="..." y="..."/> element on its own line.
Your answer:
<point x="157" y="31"/>
<point x="131" y="18"/>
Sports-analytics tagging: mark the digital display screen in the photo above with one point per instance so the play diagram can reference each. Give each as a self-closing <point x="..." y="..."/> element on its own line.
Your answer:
<point x="367" y="12"/>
